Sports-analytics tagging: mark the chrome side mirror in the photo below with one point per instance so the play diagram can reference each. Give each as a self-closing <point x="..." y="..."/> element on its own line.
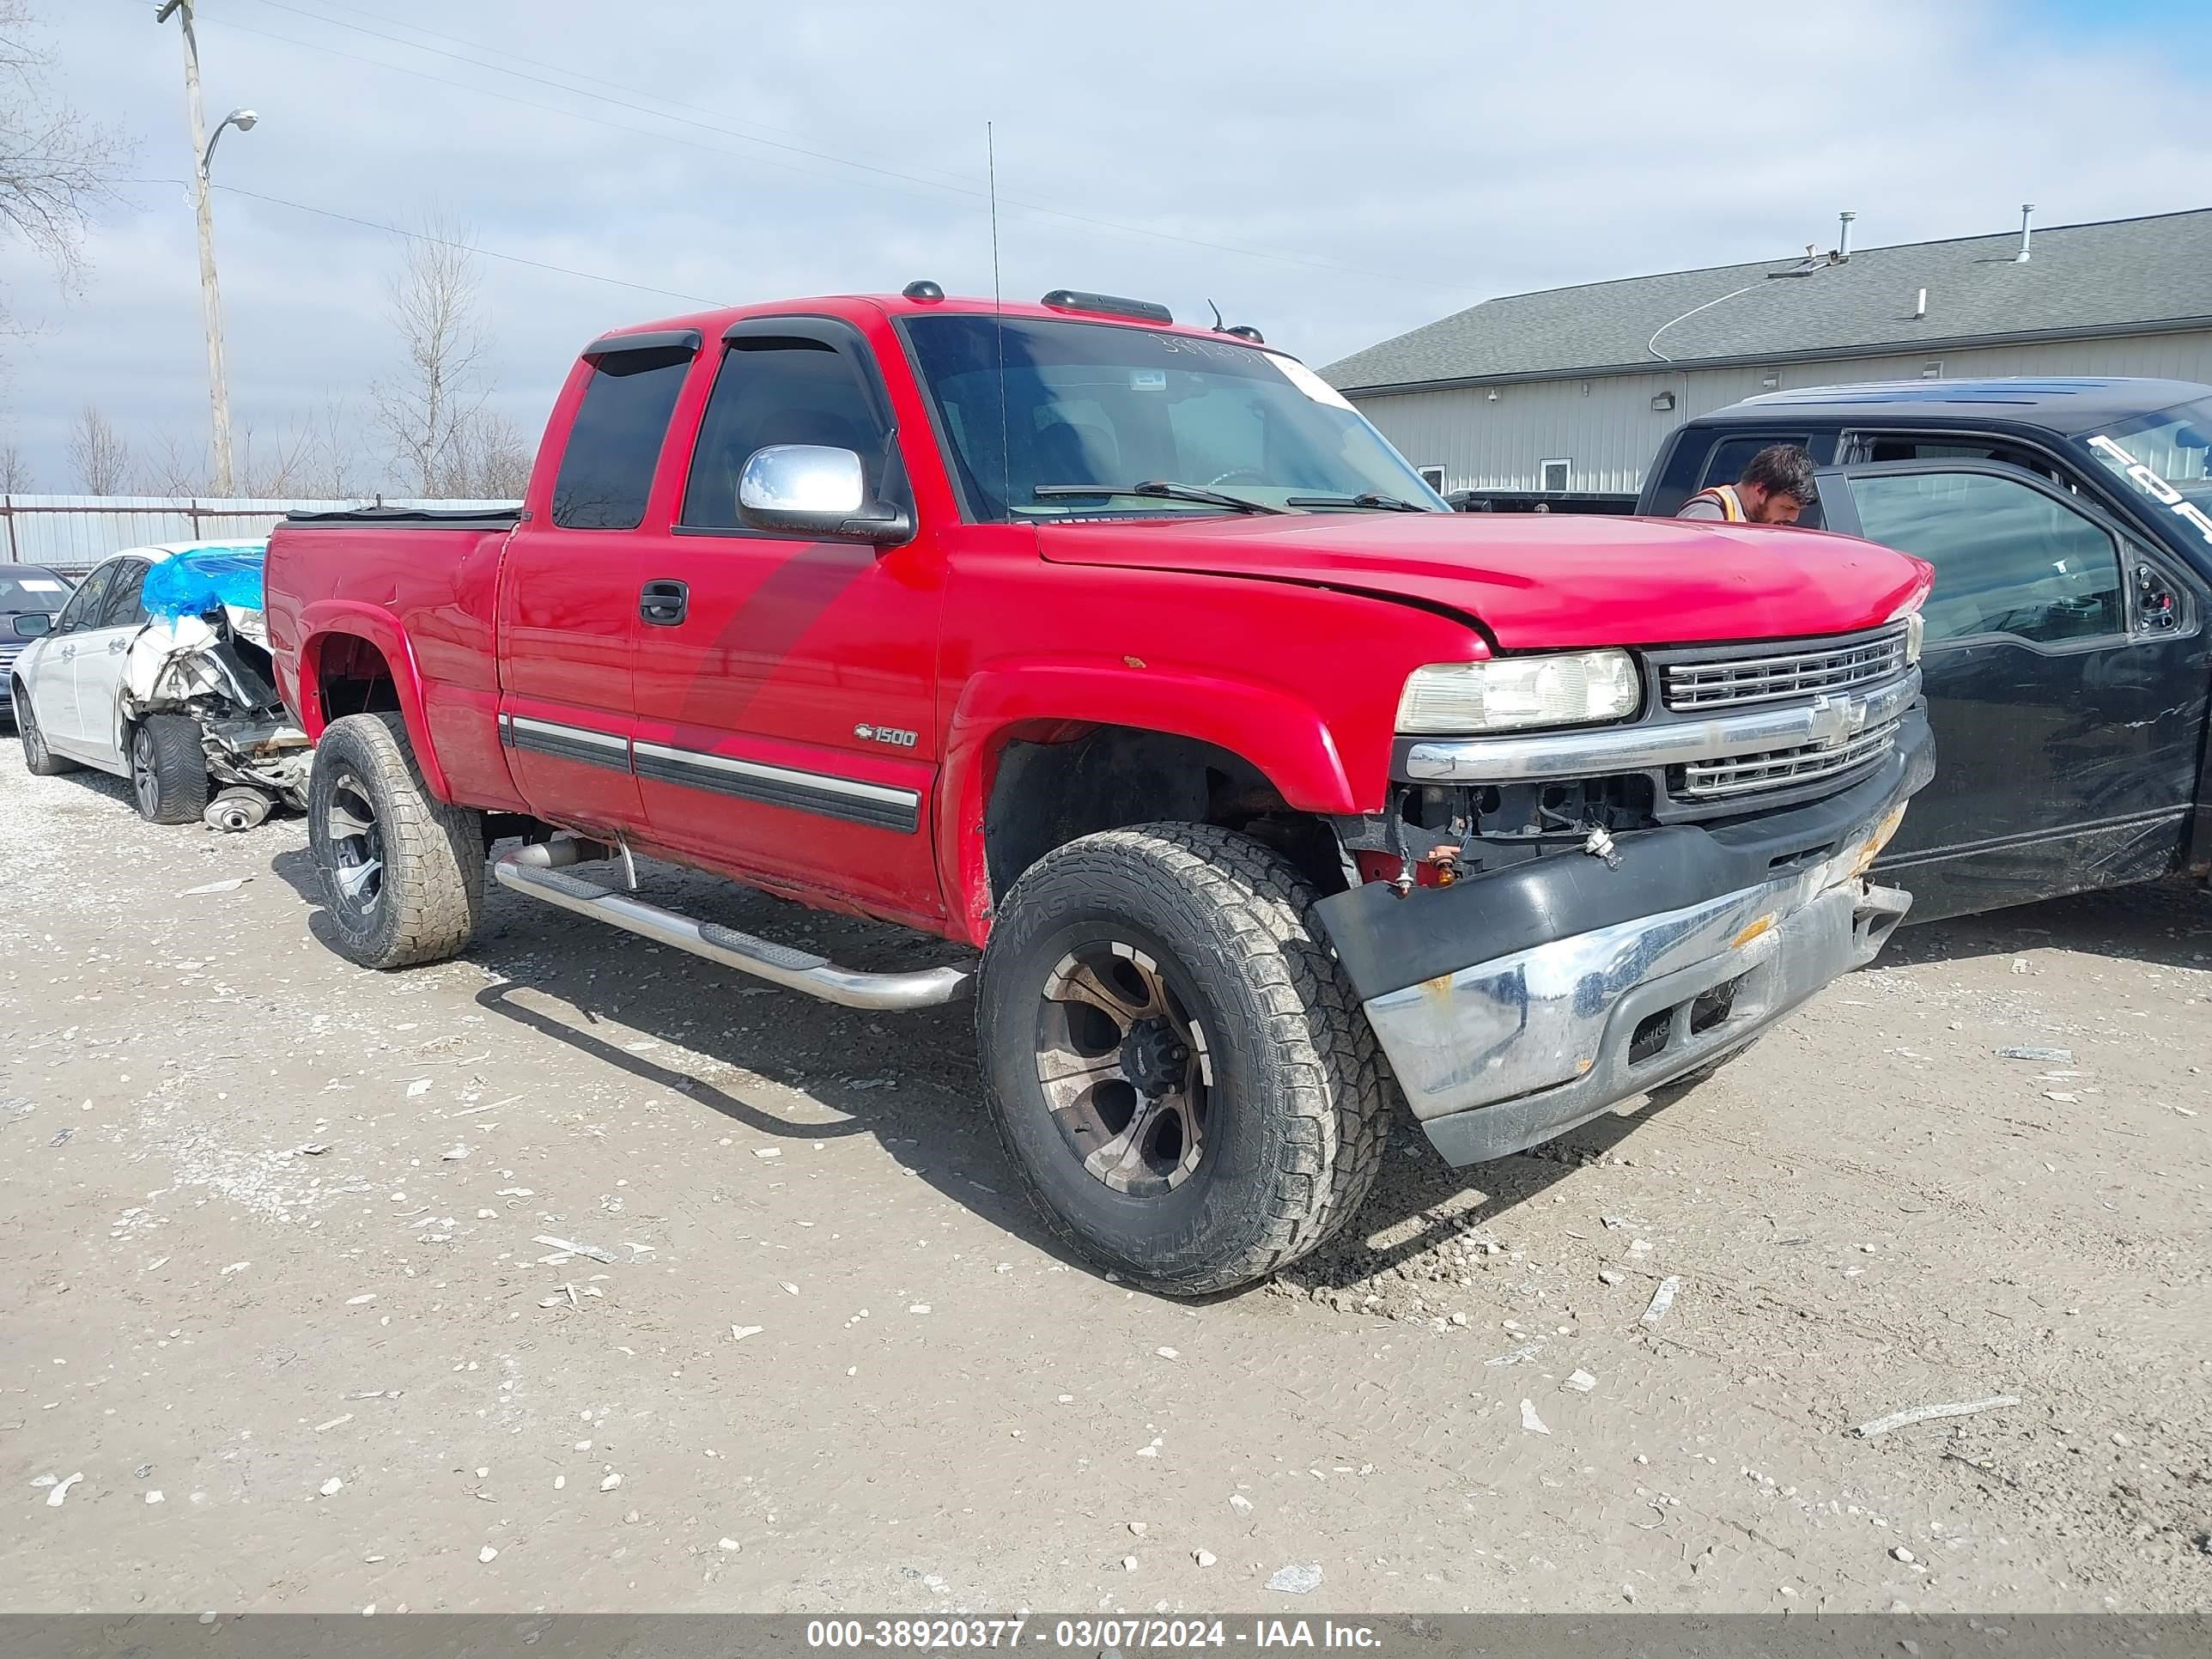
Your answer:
<point x="812" y="489"/>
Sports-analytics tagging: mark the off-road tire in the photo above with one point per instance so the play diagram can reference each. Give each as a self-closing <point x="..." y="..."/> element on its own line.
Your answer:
<point x="168" y="769"/>
<point x="39" y="761"/>
<point x="429" y="895"/>
<point x="1299" y="1107"/>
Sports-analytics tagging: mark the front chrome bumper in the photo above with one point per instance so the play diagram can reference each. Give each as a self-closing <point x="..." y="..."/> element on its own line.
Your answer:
<point x="1599" y="983"/>
<point x="1506" y="1054"/>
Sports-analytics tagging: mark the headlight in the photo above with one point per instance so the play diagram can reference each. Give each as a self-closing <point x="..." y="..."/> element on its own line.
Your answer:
<point x="1511" y="693"/>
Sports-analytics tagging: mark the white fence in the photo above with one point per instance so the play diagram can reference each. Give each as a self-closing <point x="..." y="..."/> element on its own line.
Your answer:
<point x="73" y="533"/>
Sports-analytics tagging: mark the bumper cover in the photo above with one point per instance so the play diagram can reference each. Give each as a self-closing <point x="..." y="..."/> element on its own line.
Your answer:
<point x="1516" y="1005"/>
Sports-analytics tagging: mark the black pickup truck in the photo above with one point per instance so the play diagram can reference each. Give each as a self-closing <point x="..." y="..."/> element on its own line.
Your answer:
<point x="2068" y="660"/>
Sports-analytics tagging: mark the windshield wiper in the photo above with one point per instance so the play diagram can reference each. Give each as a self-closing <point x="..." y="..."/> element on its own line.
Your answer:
<point x="1158" y="489"/>
<point x="1369" y="499"/>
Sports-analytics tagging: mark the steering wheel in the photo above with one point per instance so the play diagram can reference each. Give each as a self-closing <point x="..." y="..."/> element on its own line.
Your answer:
<point x="1240" y="475"/>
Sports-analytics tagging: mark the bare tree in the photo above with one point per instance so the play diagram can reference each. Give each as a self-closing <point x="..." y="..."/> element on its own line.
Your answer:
<point x="173" y="468"/>
<point x="331" y="471"/>
<point x="311" y="457"/>
<point x="98" y="454"/>
<point x="427" y="410"/>
<point x="282" y="467"/>
<point x="15" y="472"/>
<point x="495" y="459"/>
<point x="55" y="168"/>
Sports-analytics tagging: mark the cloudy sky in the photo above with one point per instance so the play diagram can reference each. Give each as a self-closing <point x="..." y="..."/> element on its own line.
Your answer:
<point x="1334" y="173"/>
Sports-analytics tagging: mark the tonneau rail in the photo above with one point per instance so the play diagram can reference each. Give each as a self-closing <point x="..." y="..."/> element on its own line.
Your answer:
<point x="427" y="517"/>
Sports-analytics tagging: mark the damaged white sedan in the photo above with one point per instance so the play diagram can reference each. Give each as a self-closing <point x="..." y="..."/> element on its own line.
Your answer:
<point x="157" y="671"/>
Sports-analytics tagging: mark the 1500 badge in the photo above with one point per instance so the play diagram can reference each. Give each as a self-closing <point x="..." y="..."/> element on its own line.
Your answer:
<point x="895" y="736"/>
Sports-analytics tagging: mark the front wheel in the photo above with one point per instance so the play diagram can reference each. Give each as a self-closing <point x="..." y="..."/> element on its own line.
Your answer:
<point x="402" y="872"/>
<point x="1179" y="1073"/>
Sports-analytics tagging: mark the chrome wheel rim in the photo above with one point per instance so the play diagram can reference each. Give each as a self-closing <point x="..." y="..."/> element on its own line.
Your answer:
<point x="355" y="838"/>
<point x="27" y="727"/>
<point x="1125" y="1069"/>
<point x="143" y="782"/>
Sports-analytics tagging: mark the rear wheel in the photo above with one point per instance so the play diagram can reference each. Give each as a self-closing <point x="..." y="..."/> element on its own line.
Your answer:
<point x="168" y="769"/>
<point x="402" y="872"/>
<point x="1181" y="1075"/>
<point x="39" y="761"/>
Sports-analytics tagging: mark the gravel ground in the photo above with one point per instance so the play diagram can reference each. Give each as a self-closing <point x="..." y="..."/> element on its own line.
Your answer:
<point x="289" y="1288"/>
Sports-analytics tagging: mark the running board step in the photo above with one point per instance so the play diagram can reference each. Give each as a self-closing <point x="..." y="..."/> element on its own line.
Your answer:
<point x="530" y="870"/>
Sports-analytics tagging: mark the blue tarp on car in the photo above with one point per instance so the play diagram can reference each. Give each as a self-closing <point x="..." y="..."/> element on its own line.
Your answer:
<point x="205" y="579"/>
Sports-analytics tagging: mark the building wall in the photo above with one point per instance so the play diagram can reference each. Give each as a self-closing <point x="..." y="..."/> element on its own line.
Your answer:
<point x="1606" y="426"/>
<point x="72" y="533"/>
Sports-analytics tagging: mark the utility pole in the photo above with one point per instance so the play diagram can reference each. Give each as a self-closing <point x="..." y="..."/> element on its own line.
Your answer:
<point x="210" y="297"/>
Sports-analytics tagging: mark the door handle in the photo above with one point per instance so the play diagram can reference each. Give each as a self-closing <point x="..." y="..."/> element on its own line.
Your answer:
<point x="66" y="652"/>
<point x="116" y="647"/>
<point x="663" y="603"/>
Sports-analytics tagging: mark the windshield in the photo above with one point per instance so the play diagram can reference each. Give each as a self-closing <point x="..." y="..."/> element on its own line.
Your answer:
<point x="2163" y="457"/>
<point x="32" y="590"/>
<point x="1099" y="404"/>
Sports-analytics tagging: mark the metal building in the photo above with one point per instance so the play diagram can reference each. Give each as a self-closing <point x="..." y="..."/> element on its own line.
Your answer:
<point x="1571" y="390"/>
<point x="72" y="533"/>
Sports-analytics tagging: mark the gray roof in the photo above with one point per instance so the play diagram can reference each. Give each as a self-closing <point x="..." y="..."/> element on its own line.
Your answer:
<point x="2121" y="276"/>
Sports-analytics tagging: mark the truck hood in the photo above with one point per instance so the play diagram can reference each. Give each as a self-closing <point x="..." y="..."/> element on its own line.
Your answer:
<point x="1538" y="581"/>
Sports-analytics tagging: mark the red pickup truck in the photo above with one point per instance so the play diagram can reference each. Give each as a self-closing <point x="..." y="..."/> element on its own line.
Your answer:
<point x="1130" y="657"/>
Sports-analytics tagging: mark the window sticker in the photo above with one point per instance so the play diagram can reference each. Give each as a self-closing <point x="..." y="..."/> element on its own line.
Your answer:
<point x="2154" y="486"/>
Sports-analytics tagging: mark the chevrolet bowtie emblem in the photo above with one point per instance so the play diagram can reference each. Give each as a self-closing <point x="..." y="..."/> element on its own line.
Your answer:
<point x="1836" y="720"/>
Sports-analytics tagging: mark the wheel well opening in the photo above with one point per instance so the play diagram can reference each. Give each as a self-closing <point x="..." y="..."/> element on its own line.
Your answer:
<point x="1048" y="793"/>
<point x="352" y="677"/>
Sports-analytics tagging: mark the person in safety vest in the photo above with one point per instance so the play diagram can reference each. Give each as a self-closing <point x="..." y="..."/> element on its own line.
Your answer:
<point x="1775" y="489"/>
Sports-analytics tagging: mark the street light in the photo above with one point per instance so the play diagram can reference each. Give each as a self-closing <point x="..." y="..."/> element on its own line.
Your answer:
<point x="243" y="119"/>
<point x="203" y="210"/>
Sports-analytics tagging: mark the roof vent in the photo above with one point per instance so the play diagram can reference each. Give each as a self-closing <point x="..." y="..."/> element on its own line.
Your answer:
<point x="1843" y="237"/>
<point x="2026" y="212"/>
<point x="1813" y="261"/>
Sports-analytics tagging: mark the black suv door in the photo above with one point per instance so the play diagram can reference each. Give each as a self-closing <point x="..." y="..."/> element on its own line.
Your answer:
<point x="2067" y="675"/>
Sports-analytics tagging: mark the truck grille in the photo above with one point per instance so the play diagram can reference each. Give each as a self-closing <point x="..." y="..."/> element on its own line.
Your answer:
<point x="10" y="650"/>
<point x="1781" y="768"/>
<point x="1731" y="682"/>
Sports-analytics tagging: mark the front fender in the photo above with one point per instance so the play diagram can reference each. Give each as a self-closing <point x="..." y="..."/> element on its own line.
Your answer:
<point x="1286" y="739"/>
<point x="326" y="619"/>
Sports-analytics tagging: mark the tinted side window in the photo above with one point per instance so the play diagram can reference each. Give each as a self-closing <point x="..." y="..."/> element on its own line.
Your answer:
<point x="776" y="390"/>
<point x="1731" y="455"/>
<point x="123" y="607"/>
<point x="1904" y="446"/>
<point x="84" y="609"/>
<point x="606" y="470"/>
<point x="2008" y="559"/>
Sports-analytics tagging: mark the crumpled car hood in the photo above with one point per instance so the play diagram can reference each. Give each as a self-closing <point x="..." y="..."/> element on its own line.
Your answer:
<point x="1538" y="581"/>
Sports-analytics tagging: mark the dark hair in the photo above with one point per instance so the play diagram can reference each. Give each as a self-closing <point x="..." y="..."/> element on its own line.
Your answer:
<point x="1782" y="470"/>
